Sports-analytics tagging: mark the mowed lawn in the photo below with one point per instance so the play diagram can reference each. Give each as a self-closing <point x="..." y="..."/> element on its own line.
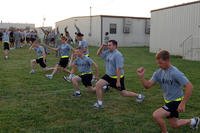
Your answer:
<point x="35" y="104"/>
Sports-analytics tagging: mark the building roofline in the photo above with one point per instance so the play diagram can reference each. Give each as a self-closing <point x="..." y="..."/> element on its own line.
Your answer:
<point x="184" y="4"/>
<point x="44" y="27"/>
<point x="16" y="23"/>
<point x="111" y="16"/>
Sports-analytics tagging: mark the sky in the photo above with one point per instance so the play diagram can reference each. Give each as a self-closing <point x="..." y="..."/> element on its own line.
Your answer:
<point x="34" y="11"/>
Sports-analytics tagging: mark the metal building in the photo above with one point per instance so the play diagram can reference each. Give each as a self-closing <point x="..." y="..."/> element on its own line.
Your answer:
<point x="17" y="25"/>
<point x="177" y="29"/>
<point x="128" y="31"/>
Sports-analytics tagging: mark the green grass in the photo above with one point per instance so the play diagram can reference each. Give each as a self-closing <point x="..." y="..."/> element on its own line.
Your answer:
<point x="32" y="103"/>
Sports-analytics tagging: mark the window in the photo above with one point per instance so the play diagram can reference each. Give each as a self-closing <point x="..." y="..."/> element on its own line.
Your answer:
<point x="113" y="28"/>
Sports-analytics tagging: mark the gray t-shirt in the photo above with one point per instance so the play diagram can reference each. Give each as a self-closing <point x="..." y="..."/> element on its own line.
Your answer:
<point x="83" y="64"/>
<point x="171" y="81"/>
<point x="113" y="60"/>
<point x="39" y="51"/>
<point x="84" y="45"/>
<point x="106" y="39"/>
<point x="17" y="35"/>
<point x="64" y="49"/>
<point x="5" y="37"/>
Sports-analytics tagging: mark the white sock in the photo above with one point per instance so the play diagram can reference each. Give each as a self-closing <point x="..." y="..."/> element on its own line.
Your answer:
<point x="100" y="102"/>
<point x="78" y="92"/>
<point x="192" y="121"/>
<point x="139" y="96"/>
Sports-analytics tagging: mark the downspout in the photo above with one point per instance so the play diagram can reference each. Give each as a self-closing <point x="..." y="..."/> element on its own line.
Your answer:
<point x="101" y="29"/>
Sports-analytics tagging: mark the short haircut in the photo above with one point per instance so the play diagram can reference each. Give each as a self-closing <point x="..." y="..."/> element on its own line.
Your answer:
<point x="80" y="34"/>
<point x="64" y="38"/>
<point x="114" y="42"/>
<point x="36" y="40"/>
<point x="163" y="54"/>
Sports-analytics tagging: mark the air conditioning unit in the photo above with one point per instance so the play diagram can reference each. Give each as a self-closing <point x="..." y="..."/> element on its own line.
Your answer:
<point x="127" y="22"/>
<point x="126" y="29"/>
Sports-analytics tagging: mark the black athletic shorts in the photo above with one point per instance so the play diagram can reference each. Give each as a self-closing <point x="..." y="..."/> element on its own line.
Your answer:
<point x="41" y="62"/>
<point x="112" y="82"/>
<point x="32" y="39"/>
<point x="28" y="39"/>
<point x="6" y="46"/>
<point x="172" y="108"/>
<point x="63" y="62"/>
<point x="12" y="40"/>
<point x="22" y="40"/>
<point x="86" y="79"/>
<point x="52" y="40"/>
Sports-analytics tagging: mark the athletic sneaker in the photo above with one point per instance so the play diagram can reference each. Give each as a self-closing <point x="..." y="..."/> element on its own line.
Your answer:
<point x="6" y="57"/>
<point x="49" y="76"/>
<point x="140" y="98"/>
<point x="32" y="72"/>
<point x="105" y="88"/>
<point x="97" y="106"/>
<point x="66" y="78"/>
<point x="76" y="94"/>
<point x="195" y="126"/>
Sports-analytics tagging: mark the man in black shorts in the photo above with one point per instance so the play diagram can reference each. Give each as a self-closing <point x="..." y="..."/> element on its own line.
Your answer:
<point x="172" y="81"/>
<point x="84" y="65"/>
<point x="6" y="47"/>
<point x="114" y="76"/>
<point x="64" y="49"/>
<point x="41" y="57"/>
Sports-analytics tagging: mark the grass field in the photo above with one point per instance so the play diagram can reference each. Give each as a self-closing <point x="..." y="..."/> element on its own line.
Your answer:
<point x="34" y="104"/>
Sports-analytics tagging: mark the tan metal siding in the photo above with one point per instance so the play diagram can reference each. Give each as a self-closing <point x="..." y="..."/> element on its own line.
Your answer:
<point x="84" y="25"/>
<point x="16" y="25"/>
<point x="136" y="37"/>
<point x="170" y="27"/>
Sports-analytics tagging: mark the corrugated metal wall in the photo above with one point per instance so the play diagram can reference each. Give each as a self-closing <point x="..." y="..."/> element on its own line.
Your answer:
<point x="171" y="26"/>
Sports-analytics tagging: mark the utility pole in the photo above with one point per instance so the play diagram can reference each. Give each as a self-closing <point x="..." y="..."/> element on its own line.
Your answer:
<point x="90" y="33"/>
<point x="43" y="21"/>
